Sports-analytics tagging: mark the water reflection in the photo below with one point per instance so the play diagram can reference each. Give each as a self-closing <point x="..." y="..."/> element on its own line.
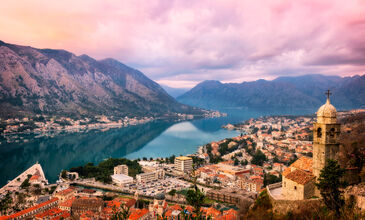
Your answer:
<point x="65" y="151"/>
<point x="155" y="139"/>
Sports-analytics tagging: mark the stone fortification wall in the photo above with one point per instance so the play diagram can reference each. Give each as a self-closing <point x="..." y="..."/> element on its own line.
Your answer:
<point x="283" y="206"/>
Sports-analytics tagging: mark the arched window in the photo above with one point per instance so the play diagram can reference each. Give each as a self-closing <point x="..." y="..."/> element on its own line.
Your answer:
<point x="295" y="187"/>
<point x="319" y="132"/>
<point x="332" y="132"/>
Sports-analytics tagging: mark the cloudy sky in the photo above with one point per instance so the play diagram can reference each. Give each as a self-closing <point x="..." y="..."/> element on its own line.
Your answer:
<point x="181" y="43"/>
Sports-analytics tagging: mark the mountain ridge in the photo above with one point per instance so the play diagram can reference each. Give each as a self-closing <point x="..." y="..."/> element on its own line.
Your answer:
<point x="50" y="81"/>
<point x="282" y="92"/>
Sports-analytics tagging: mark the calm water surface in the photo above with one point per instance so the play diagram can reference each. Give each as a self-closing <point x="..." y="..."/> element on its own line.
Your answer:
<point x="155" y="139"/>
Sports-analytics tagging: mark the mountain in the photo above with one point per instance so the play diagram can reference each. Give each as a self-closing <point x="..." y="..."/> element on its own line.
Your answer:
<point x="174" y="92"/>
<point x="284" y="92"/>
<point x="58" y="82"/>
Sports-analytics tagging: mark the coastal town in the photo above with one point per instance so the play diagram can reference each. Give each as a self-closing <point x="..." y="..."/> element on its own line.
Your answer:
<point x="17" y="129"/>
<point x="231" y="173"/>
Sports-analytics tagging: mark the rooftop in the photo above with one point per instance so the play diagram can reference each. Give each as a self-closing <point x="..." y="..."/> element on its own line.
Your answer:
<point x="300" y="176"/>
<point x="303" y="163"/>
<point x="31" y="209"/>
<point x="138" y="213"/>
<point x="122" y="177"/>
<point x="183" y="158"/>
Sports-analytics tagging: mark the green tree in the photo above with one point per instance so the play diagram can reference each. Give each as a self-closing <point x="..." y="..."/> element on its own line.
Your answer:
<point x="276" y="159"/>
<point x="172" y="192"/>
<point x="25" y="184"/>
<point x="195" y="197"/>
<point x="270" y="179"/>
<point x="122" y="214"/>
<point x="172" y="159"/>
<point x="329" y="184"/>
<point x="64" y="174"/>
<point x="236" y="162"/>
<point x="258" y="158"/>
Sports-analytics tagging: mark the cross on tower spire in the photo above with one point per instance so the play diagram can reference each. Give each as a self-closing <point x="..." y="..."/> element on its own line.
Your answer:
<point x="328" y="93"/>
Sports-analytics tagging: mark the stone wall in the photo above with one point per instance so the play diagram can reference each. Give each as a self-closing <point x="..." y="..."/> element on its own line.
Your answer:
<point x="283" y="206"/>
<point x="292" y="190"/>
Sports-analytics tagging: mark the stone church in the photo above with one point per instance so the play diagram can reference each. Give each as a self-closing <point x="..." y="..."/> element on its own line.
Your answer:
<point x="299" y="178"/>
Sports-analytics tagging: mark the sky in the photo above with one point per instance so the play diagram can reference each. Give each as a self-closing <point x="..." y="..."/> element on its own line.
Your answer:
<point x="181" y="43"/>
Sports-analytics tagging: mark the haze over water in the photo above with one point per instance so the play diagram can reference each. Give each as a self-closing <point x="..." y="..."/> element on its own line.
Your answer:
<point x="155" y="139"/>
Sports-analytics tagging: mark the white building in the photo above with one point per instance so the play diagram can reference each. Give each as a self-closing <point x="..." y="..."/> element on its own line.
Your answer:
<point x="150" y="176"/>
<point x="121" y="169"/>
<point x="184" y="164"/>
<point x="121" y="179"/>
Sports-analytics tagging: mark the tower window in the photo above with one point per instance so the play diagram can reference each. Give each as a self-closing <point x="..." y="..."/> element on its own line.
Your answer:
<point x="295" y="187"/>
<point x="332" y="132"/>
<point x="319" y="132"/>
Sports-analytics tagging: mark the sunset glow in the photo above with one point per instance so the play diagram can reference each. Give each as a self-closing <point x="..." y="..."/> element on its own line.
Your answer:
<point x="181" y="43"/>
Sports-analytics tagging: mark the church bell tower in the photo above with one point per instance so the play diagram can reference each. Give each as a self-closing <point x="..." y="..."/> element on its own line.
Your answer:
<point x="326" y="133"/>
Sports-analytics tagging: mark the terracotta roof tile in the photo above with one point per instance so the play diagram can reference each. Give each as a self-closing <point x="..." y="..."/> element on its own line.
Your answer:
<point x="138" y="213"/>
<point x="286" y="171"/>
<point x="303" y="163"/>
<point x="32" y="208"/>
<point x="300" y="176"/>
<point x="67" y="203"/>
<point x="65" y="192"/>
<point x="65" y="215"/>
<point x="49" y="213"/>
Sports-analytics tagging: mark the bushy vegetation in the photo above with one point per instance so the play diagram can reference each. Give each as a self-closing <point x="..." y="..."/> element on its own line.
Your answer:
<point x="258" y="158"/>
<point x="270" y="179"/>
<point x="5" y="203"/>
<point x="329" y="184"/>
<point x="105" y="169"/>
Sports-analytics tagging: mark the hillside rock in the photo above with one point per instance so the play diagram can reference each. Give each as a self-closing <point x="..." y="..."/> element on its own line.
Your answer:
<point x="34" y="81"/>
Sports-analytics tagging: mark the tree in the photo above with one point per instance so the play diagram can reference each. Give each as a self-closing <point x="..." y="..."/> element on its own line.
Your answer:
<point x="122" y="214"/>
<point x="276" y="159"/>
<point x="172" y="192"/>
<point x="236" y="162"/>
<point x="329" y="184"/>
<point x="64" y="174"/>
<point x="25" y="183"/>
<point x="195" y="198"/>
<point x="270" y="179"/>
<point x="172" y="159"/>
<point x="258" y="158"/>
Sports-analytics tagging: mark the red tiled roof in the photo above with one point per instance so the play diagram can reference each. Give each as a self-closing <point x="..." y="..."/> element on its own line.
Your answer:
<point x="49" y="213"/>
<point x="35" y="177"/>
<point x="211" y="212"/>
<point x="65" y="192"/>
<point x="32" y="208"/>
<point x="137" y="214"/>
<point x="300" y="176"/>
<point x="67" y="203"/>
<point x="176" y="207"/>
<point x="63" y="216"/>
<point x="303" y="163"/>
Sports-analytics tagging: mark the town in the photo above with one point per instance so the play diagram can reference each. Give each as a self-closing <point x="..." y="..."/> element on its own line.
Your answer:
<point x="230" y="172"/>
<point x="17" y="129"/>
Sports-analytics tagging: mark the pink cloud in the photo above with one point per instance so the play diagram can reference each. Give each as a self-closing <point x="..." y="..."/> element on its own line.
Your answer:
<point x="184" y="42"/>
